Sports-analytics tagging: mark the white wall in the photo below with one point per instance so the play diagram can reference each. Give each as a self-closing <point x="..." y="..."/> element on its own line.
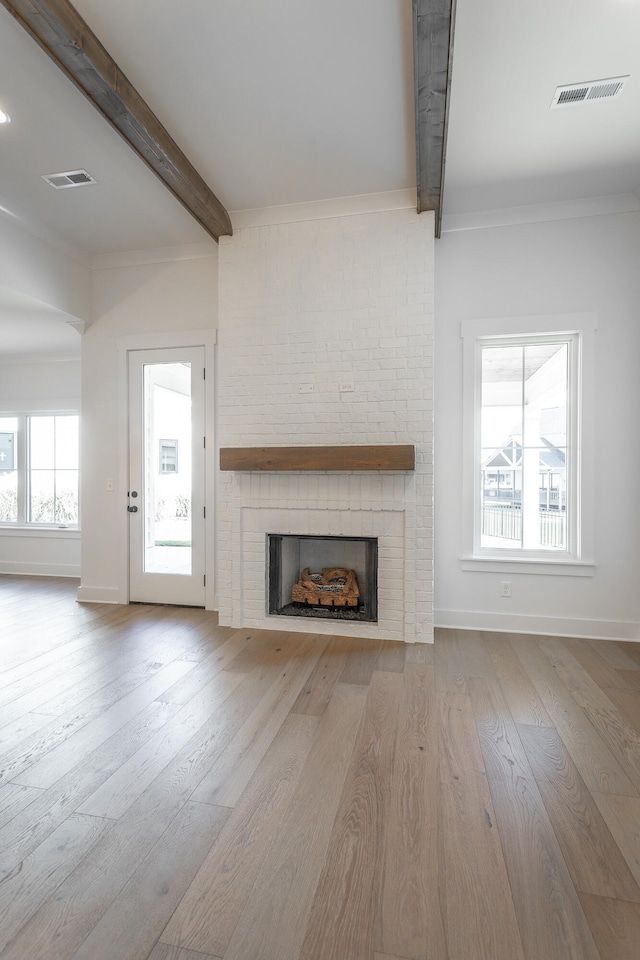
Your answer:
<point x="571" y="266"/>
<point x="39" y="388"/>
<point x="42" y="270"/>
<point x="137" y="306"/>
<point x="45" y="272"/>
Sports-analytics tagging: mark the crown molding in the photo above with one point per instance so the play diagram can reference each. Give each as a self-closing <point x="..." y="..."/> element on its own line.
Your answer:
<point x="137" y="258"/>
<point x="78" y="325"/>
<point x="262" y="217"/>
<point x="542" y="212"/>
<point x="325" y="209"/>
<point x="22" y="359"/>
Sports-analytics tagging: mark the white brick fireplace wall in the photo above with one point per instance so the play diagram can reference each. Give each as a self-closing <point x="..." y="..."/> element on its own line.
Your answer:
<point x="305" y="308"/>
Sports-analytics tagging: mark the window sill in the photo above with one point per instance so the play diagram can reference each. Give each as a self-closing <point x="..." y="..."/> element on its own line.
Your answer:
<point x="528" y="565"/>
<point x="49" y="532"/>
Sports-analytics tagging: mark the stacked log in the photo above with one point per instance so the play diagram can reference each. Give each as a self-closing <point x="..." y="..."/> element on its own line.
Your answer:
<point x="334" y="587"/>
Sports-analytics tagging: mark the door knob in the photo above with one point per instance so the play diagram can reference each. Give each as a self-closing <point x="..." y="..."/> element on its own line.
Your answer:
<point x="132" y="509"/>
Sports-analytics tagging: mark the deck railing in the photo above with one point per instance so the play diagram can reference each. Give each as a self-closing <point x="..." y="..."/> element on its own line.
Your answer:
<point x="505" y="522"/>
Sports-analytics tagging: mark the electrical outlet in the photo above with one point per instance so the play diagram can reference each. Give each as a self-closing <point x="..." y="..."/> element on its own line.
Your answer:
<point x="505" y="588"/>
<point x="348" y="386"/>
<point x="109" y="486"/>
<point x="305" y="388"/>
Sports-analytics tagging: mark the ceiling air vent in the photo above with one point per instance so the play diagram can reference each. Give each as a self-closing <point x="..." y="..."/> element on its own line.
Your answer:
<point x="72" y="178"/>
<point x="589" y="91"/>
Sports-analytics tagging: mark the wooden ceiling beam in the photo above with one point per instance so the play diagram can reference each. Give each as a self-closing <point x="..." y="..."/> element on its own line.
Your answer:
<point x="67" y="39"/>
<point x="433" y="23"/>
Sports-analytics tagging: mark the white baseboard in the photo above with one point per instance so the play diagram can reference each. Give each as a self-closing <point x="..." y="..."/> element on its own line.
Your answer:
<point x="100" y="595"/>
<point x="30" y="569"/>
<point x="548" y="626"/>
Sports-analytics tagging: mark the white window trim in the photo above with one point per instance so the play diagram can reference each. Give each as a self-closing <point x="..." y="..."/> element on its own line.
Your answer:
<point x="580" y="562"/>
<point x="23" y="527"/>
<point x="40" y="530"/>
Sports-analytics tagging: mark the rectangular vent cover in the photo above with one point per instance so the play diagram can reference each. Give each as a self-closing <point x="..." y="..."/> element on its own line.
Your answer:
<point x="72" y="178"/>
<point x="574" y="93"/>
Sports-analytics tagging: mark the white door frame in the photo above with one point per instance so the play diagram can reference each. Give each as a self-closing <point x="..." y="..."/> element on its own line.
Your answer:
<point x="148" y="585"/>
<point x="151" y="341"/>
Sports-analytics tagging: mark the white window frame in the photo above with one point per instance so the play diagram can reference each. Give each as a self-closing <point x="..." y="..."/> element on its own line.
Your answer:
<point x="578" y="558"/>
<point x="23" y="470"/>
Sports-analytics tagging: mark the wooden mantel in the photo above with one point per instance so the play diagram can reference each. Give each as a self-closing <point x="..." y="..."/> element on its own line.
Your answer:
<point x="378" y="457"/>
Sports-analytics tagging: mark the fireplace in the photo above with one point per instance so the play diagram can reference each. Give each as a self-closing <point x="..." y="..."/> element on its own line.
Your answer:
<point x="380" y="506"/>
<point x="291" y="557"/>
<point x="304" y="306"/>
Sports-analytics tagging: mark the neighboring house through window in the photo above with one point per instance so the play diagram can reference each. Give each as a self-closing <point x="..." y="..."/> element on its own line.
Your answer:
<point x="527" y="462"/>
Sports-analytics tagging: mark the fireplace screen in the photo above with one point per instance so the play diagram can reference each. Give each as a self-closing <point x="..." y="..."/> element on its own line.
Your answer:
<point x="326" y="577"/>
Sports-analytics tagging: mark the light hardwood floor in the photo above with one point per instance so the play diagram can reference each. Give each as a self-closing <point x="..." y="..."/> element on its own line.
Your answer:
<point x="175" y="790"/>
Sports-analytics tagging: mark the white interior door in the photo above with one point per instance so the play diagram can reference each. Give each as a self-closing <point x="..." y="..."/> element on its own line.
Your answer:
<point x="167" y="476"/>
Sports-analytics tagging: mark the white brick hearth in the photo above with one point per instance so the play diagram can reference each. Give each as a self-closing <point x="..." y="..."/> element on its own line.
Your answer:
<point x="306" y="307"/>
<point x="325" y="505"/>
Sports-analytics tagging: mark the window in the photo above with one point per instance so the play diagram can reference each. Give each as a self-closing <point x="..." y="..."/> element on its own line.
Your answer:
<point x="168" y="456"/>
<point x="39" y="469"/>
<point x="525" y="461"/>
<point x="527" y="482"/>
<point x="8" y="469"/>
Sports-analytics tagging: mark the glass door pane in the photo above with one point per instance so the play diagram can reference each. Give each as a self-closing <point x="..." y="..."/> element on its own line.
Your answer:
<point x="167" y="468"/>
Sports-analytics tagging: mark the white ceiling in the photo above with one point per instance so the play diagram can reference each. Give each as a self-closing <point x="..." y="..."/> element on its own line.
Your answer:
<point x="295" y="100"/>
<point x="54" y="128"/>
<point x="276" y="102"/>
<point x="273" y="103"/>
<point x="505" y="146"/>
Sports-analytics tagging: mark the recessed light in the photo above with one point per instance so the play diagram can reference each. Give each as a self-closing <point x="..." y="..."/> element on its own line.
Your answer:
<point x="4" y="117"/>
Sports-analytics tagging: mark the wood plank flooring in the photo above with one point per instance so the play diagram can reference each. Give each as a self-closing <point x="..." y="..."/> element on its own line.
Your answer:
<point x="175" y="790"/>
